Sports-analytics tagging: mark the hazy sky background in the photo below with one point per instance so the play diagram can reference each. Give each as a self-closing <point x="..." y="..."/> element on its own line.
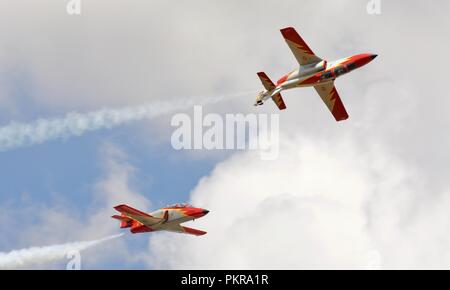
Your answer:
<point x="372" y="191"/>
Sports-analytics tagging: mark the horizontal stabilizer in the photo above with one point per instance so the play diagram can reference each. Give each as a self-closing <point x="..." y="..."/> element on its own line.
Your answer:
<point x="266" y="82"/>
<point x="125" y="222"/>
<point x="270" y="86"/>
<point x="122" y="218"/>
<point x="278" y="100"/>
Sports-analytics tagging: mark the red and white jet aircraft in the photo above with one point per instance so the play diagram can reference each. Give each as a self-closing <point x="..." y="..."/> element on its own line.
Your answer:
<point x="313" y="72"/>
<point x="164" y="219"/>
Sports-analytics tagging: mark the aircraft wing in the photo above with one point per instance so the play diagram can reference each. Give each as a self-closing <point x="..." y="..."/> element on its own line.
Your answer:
<point x="183" y="230"/>
<point x="142" y="217"/>
<point x="298" y="46"/>
<point x="331" y="98"/>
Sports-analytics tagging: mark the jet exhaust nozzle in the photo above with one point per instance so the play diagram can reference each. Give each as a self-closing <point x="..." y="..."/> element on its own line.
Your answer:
<point x="259" y="98"/>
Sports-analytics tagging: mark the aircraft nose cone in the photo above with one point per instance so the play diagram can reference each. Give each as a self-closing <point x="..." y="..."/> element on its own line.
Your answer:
<point x="373" y="56"/>
<point x="205" y="212"/>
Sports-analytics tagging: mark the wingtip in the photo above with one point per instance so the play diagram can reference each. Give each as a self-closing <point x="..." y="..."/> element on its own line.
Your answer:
<point x="288" y="32"/>
<point x="343" y="118"/>
<point x="287" y="28"/>
<point x="119" y="206"/>
<point x="194" y="232"/>
<point x="201" y="233"/>
<point x="261" y="74"/>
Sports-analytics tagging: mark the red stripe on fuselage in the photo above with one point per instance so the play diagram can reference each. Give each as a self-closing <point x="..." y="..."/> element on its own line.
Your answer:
<point x="139" y="228"/>
<point x="282" y="79"/>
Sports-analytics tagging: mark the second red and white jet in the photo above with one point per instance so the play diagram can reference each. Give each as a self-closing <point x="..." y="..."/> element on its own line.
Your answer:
<point x="165" y="219"/>
<point x="313" y="72"/>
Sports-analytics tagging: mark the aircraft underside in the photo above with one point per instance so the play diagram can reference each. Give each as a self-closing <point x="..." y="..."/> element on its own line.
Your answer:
<point x="313" y="72"/>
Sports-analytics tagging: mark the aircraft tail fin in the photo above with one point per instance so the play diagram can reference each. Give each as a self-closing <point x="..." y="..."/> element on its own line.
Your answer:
<point x="165" y="217"/>
<point x="125" y="222"/>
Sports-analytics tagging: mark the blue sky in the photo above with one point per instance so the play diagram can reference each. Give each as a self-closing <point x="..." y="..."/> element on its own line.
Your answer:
<point x="160" y="170"/>
<point x="52" y="175"/>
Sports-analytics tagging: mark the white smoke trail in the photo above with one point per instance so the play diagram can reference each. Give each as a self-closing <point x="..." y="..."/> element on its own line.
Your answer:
<point x="15" y="135"/>
<point x="41" y="255"/>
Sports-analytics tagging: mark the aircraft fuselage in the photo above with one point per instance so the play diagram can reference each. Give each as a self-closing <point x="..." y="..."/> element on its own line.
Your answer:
<point x="318" y="73"/>
<point x="168" y="218"/>
<point x="177" y="215"/>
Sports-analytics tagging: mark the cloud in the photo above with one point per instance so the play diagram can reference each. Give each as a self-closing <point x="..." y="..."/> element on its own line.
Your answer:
<point x="157" y="53"/>
<point x="93" y="60"/>
<point x="43" y="255"/>
<point x="391" y="154"/>
<point x="303" y="210"/>
<point x="317" y="206"/>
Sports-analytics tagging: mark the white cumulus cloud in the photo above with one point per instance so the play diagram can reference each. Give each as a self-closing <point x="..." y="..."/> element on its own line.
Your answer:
<point x="319" y="205"/>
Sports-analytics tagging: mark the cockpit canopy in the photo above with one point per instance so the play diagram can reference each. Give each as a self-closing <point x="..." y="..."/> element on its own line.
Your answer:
<point x="179" y="205"/>
<point x="340" y="70"/>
